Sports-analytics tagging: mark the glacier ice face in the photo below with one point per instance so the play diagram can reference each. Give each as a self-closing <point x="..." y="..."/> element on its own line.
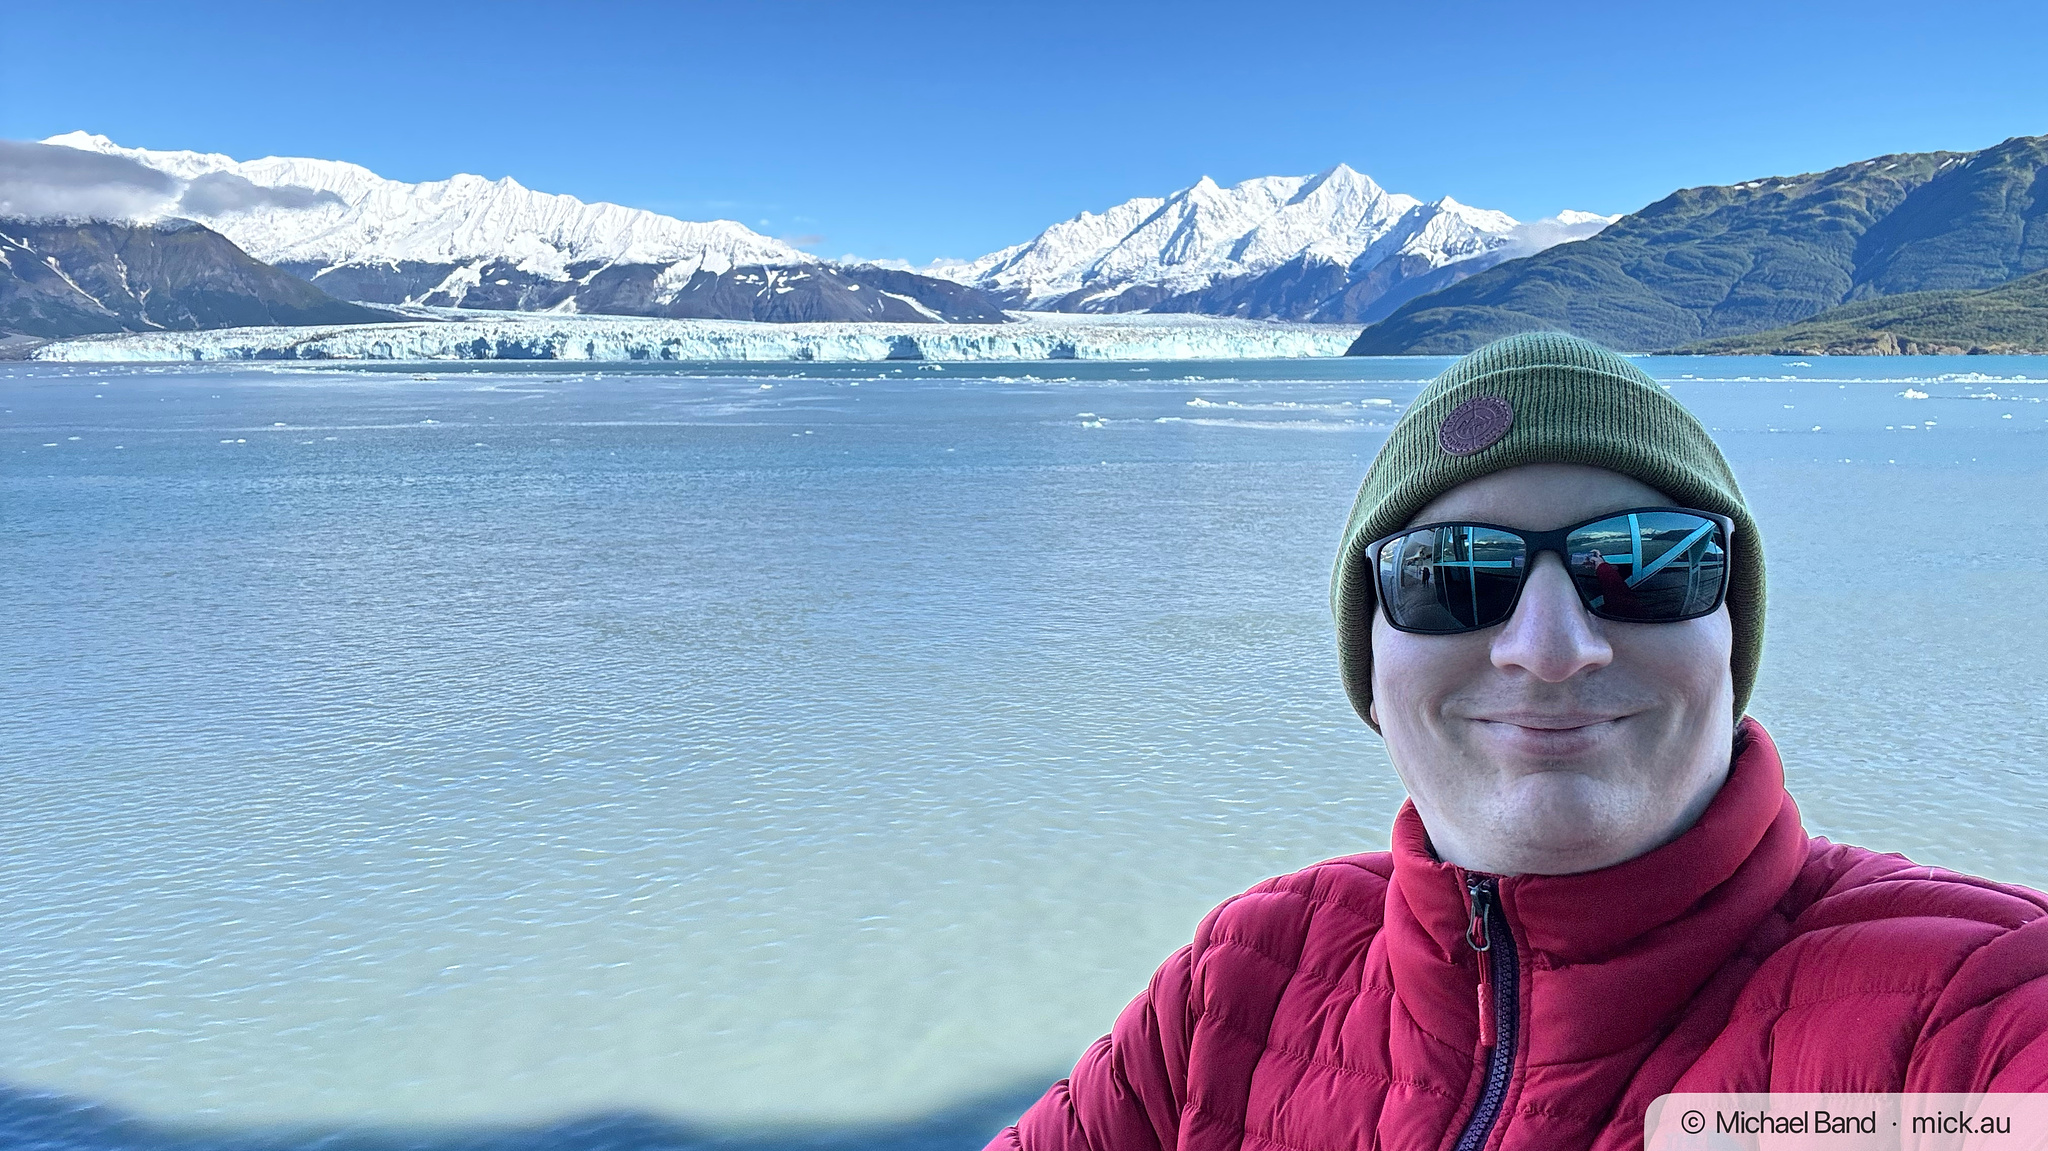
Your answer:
<point x="528" y="336"/>
<point x="365" y="218"/>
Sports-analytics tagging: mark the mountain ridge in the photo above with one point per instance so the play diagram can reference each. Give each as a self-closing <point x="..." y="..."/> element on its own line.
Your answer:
<point x="462" y="218"/>
<point x="1326" y="247"/>
<point x="81" y="278"/>
<point x="1329" y="247"/>
<point x="1723" y="261"/>
<point x="495" y="244"/>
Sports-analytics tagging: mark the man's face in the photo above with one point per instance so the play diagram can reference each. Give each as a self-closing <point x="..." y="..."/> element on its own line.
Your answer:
<point x="1556" y="742"/>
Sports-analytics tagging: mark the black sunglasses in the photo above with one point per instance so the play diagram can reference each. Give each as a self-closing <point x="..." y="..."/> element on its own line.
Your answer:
<point x="1643" y="565"/>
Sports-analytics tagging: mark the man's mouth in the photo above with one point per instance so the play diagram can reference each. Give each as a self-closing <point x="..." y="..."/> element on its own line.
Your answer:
<point x="1549" y="734"/>
<point x="1550" y="721"/>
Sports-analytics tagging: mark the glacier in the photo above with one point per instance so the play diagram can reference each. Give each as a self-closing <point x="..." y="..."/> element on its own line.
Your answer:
<point x="529" y="336"/>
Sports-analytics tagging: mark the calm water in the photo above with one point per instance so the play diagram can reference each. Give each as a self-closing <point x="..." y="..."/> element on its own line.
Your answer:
<point x="767" y="751"/>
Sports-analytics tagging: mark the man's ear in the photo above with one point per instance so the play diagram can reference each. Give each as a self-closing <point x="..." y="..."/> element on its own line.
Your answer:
<point x="1372" y="714"/>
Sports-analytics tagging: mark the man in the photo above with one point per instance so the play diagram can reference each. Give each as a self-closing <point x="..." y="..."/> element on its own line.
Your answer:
<point x="1550" y="603"/>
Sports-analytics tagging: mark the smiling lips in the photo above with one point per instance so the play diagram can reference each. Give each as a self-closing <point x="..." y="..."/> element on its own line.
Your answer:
<point x="1549" y="735"/>
<point x="1536" y="722"/>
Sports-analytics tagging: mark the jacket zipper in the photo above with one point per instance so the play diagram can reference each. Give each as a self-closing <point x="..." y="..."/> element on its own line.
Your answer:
<point x="1499" y="1015"/>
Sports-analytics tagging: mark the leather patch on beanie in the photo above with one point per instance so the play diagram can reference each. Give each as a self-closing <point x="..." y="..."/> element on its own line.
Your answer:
<point x="1475" y="425"/>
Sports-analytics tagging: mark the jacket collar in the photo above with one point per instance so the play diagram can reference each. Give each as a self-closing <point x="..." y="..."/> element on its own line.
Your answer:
<point x="1637" y="939"/>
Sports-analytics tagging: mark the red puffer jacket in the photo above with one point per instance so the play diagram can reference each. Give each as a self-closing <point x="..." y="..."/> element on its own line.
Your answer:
<point x="1339" y="1008"/>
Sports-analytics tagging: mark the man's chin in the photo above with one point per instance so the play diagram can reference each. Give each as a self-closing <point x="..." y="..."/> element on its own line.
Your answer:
<point x="1560" y="822"/>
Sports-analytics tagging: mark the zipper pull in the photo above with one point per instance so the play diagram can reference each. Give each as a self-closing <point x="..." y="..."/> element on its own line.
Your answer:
<point x="1480" y="892"/>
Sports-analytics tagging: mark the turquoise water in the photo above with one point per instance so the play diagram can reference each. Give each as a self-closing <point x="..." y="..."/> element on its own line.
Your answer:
<point x="754" y="750"/>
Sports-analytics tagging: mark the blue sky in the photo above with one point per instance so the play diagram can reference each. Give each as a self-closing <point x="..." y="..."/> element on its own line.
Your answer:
<point x="917" y="130"/>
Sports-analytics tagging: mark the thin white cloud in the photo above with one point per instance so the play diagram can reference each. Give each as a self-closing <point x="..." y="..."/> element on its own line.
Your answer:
<point x="43" y="181"/>
<point x="219" y="193"/>
<point x="1550" y="231"/>
<point x="48" y="182"/>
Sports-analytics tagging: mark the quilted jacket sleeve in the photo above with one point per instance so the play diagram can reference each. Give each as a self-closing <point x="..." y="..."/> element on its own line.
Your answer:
<point x="1989" y="1030"/>
<point x="1126" y="1092"/>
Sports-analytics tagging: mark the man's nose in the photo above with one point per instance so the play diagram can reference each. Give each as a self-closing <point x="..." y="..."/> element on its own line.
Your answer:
<point x="1551" y="635"/>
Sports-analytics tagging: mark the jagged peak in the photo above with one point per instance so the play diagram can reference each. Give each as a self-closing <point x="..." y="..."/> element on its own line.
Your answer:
<point x="1485" y="219"/>
<point x="82" y="140"/>
<point x="1343" y="177"/>
<point x="1570" y="216"/>
<point x="1342" y="173"/>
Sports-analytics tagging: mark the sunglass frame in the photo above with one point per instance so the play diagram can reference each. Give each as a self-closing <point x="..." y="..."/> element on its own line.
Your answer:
<point x="1535" y="544"/>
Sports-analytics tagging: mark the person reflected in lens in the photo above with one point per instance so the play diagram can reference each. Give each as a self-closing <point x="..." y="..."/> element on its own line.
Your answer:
<point x="1549" y="602"/>
<point x="1613" y="583"/>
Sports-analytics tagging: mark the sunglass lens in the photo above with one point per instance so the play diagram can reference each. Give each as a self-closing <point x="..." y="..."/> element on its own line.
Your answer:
<point x="1451" y="579"/>
<point x="1649" y="566"/>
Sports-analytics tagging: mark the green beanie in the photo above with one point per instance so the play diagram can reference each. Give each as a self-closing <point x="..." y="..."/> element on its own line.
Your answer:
<point x="1541" y="397"/>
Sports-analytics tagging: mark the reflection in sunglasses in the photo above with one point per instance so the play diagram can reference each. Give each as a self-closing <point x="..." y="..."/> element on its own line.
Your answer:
<point x="1649" y="565"/>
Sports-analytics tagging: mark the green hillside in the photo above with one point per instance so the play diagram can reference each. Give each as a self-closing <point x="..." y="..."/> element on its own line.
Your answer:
<point x="1710" y="263"/>
<point x="2009" y="319"/>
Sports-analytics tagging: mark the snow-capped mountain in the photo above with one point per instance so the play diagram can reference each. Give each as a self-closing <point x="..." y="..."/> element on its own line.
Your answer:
<point x="495" y="244"/>
<point x="1331" y="247"/>
<point x="355" y="216"/>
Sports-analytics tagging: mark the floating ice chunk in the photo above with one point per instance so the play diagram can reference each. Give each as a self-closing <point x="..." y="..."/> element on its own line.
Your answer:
<point x="1913" y="394"/>
<point x="1265" y="425"/>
